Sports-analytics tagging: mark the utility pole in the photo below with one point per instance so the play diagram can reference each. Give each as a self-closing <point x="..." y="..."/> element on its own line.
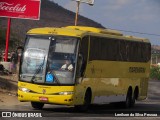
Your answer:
<point x="77" y="12"/>
<point x="90" y="2"/>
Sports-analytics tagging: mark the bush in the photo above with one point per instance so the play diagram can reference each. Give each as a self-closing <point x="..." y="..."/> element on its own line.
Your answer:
<point x="155" y="72"/>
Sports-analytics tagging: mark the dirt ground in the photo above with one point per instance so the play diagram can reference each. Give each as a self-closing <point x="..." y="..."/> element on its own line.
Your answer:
<point x="8" y="89"/>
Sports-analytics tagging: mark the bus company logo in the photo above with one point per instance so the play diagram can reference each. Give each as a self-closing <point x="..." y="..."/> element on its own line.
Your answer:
<point x="6" y="114"/>
<point x="137" y="69"/>
<point x="43" y="91"/>
<point x="4" y="6"/>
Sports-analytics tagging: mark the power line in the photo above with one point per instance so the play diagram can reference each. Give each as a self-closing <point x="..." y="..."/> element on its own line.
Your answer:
<point x="136" y="32"/>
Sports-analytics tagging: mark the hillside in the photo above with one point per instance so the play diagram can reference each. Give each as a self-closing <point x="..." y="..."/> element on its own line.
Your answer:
<point x="52" y="15"/>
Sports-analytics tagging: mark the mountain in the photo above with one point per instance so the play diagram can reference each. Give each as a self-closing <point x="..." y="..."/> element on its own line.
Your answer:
<point x="52" y="15"/>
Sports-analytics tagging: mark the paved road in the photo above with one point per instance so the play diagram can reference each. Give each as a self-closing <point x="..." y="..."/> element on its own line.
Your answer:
<point x="149" y="107"/>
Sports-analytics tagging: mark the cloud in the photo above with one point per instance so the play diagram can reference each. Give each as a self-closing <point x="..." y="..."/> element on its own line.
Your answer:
<point x="116" y="4"/>
<point x="144" y="17"/>
<point x="147" y="14"/>
<point x="121" y="11"/>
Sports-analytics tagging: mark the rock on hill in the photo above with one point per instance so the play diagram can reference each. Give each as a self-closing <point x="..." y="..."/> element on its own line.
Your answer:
<point x="52" y="15"/>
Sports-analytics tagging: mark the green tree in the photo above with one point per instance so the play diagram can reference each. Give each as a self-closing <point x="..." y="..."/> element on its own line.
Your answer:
<point x="155" y="72"/>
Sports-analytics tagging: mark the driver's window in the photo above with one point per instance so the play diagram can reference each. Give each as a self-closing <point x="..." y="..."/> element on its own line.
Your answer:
<point x="83" y="56"/>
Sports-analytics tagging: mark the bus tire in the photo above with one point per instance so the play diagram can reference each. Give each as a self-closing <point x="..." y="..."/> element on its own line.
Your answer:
<point x="127" y="103"/>
<point x="86" y="104"/>
<point x="135" y="96"/>
<point x="37" y="105"/>
<point x="133" y="101"/>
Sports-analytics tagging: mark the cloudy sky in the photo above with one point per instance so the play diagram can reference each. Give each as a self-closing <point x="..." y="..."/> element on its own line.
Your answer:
<point x="137" y="16"/>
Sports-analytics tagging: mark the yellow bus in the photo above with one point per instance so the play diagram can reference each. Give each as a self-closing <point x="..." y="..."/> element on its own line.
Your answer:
<point x="78" y="66"/>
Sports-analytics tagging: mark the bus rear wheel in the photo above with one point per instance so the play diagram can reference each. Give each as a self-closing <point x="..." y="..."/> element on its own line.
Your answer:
<point x="37" y="105"/>
<point x="133" y="101"/>
<point x="128" y="102"/>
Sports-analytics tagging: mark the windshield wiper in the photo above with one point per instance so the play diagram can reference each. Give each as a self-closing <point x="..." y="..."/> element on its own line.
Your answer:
<point x="37" y="71"/>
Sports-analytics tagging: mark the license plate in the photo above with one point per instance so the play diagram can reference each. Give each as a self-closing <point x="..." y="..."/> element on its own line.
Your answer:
<point x="45" y="99"/>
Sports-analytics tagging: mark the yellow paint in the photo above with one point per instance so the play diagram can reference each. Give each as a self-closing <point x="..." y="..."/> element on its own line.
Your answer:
<point x="36" y="91"/>
<point x="105" y="78"/>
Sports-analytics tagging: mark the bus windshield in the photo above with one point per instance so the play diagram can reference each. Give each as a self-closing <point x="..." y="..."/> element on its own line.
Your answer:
<point x="49" y="60"/>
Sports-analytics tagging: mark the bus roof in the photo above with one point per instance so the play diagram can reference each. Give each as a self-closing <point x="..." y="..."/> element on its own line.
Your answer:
<point x="56" y="31"/>
<point x="80" y="31"/>
<point x="96" y="30"/>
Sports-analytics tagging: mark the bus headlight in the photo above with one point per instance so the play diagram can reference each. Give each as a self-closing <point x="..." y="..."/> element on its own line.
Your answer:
<point x="66" y="93"/>
<point x="24" y="89"/>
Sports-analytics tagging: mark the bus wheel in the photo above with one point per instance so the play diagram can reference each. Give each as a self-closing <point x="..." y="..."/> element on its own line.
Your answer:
<point x="87" y="102"/>
<point x="133" y="101"/>
<point x="135" y="97"/>
<point x="127" y="103"/>
<point x="37" y="105"/>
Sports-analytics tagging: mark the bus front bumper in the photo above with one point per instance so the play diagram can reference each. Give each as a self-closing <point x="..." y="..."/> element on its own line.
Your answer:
<point x="44" y="98"/>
